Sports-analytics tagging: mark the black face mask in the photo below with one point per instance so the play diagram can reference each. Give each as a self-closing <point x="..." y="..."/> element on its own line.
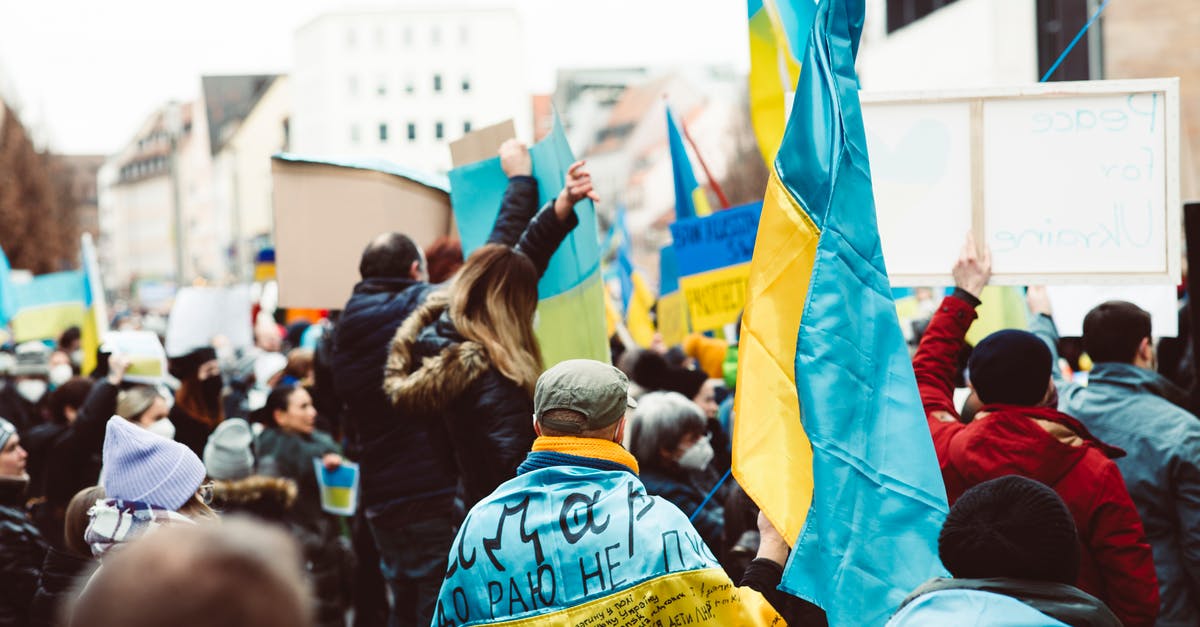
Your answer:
<point x="212" y="388"/>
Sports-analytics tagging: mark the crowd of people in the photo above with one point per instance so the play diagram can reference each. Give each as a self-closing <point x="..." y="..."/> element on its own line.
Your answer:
<point x="1071" y="504"/>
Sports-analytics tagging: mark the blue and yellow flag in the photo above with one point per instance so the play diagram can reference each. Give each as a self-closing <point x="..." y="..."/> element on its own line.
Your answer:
<point x="95" y="318"/>
<point x="48" y="305"/>
<point x="571" y="318"/>
<point x="778" y="33"/>
<point x="714" y="255"/>
<point x="690" y="201"/>
<point x="569" y="545"/>
<point x="8" y="301"/>
<point x="636" y="296"/>
<point x="672" y="319"/>
<point x="830" y="437"/>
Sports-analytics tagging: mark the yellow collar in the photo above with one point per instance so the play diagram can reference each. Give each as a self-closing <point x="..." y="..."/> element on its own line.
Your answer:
<point x="587" y="447"/>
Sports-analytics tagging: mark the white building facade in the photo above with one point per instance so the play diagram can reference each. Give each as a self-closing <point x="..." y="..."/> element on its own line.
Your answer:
<point x="401" y="84"/>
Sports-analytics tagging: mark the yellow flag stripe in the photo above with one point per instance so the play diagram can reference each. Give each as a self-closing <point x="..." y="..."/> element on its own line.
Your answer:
<point x="772" y="455"/>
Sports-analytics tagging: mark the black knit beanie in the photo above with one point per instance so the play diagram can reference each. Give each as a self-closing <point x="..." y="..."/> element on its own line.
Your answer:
<point x="1010" y="367"/>
<point x="1010" y="527"/>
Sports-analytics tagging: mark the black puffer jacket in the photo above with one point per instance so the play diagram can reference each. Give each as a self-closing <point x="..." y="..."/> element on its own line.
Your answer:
<point x="60" y="575"/>
<point x="479" y="421"/>
<point x="397" y="462"/>
<point x="21" y="554"/>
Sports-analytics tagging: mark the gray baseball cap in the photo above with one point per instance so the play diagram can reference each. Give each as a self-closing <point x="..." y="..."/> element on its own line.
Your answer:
<point x="595" y="389"/>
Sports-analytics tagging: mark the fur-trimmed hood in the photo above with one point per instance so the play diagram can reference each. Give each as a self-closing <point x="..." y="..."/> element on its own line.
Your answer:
<point x="429" y="365"/>
<point x="254" y="491"/>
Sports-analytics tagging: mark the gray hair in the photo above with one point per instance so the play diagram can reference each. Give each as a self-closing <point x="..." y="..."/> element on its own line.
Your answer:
<point x="660" y="421"/>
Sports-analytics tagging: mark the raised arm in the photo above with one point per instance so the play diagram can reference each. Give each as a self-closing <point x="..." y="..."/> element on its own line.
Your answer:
<point x="1042" y="325"/>
<point x="936" y="360"/>
<point x="557" y="220"/>
<point x="520" y="201"/>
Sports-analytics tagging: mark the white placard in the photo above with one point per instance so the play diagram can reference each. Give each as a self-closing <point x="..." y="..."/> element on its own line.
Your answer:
<point x="1071" y="303"/>
<point x="1069" y="183"/>
<point x="202" y="313"/>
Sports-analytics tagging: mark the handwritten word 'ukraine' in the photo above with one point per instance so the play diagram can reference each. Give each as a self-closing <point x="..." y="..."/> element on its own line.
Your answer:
<point x="1119" y="230"/>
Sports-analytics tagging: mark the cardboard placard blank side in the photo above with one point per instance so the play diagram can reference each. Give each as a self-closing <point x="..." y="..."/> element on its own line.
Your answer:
<point x="325" y="215"/>
<point x="481" y="144"/>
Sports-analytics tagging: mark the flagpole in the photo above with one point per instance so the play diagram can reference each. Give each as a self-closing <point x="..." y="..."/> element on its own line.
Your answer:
<point x="704" y="166"/>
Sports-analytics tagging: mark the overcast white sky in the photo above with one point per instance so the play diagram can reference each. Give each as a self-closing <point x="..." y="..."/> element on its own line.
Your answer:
<point x="86" y="73"/>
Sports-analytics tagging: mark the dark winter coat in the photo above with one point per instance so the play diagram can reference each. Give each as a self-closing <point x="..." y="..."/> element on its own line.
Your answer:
<point x="1116" y="564"/>
<point x="22" y="551"/>
<point x="397" y="462"/>
<point x="1143" y="413"/>
<point x="479" y="421"/>
<point x="56" y="586"/>
<point x="190" y="431"/>
<point x="290" y="455"/>
<point x="74" y="459"/>
<point x="680" y="489"/>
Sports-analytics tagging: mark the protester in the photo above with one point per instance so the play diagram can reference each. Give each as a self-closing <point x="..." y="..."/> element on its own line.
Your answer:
<point x="589" y="541"/>
<point x="149" y="482"/>
<point x="407" y="497"/>
<point x="74" y="459"/>
<point x="464" y="365"/>
<point x="65" y="564"/>
<point x="1130" y="405"/>
<point x="237" y="573"/>
<point x="288" y="447"/>
<point x="444" y="258"/>
<point x="1013" y="550"/>
<point x="1018" y="431"/>
<point x="198" y="408"/>
<point x="62" y="405"/>
<point x="145" y="407"/>
<point x="21" y="398"/>
<point x="22" y="549"/>
<point x="667" y="435"/>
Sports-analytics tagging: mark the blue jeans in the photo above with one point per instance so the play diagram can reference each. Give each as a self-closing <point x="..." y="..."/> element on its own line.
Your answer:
<point x="413" y="555"/>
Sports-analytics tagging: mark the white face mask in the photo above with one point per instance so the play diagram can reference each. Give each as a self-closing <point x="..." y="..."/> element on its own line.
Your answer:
<point x="60" y="374"/>
<point x="698" y="456"/>
<point x="31" y="390"/>
<point x="77" y="357"/>
<point x="163" y="427"/>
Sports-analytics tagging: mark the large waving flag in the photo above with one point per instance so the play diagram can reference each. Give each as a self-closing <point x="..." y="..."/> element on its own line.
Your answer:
<point x="690" y="201"/>
<point x="830" y="438"/>
<point x="571" y="317"/>
<point x="48" y="305"/>
<point x="95" y="318"/>
<point x="778" y="34"/>
<point x="672" y="320"/>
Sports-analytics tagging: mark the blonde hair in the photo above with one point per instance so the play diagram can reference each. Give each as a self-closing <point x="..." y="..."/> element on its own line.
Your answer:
<point x="492" y="302"/>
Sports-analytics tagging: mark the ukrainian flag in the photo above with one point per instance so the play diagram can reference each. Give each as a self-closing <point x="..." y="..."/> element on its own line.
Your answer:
<point x="48" y="305"/>
<point x="672" y="308"/>
<point x="8" y="302"/>
<point x="778" y="33"/>
<point x="95" y="319"/>
<point x="636" y="296"/>
<point x="690" y="201"/>
<point x="830" y="437"/>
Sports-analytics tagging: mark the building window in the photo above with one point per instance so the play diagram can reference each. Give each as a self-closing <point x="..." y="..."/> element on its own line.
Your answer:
<point x="381" y="89"/>
<point x="466" y="85"/>
<point x="439" y="131"/>
<point x="435" y="37"/>
<point x="1058" y="21"/>
<point x="354" y="134"/>
<point x="466" y="127"/>
<point x="410" y="86"/>
<point x="383" y="132"/>
<point x="412" y="132"/>
<point x="437" y="83"/>
<point x="901" y="13"/>
<point x="352" y="85"/>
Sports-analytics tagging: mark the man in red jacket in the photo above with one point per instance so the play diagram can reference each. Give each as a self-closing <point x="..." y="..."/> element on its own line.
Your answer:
<point x="1018" y="432"/>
